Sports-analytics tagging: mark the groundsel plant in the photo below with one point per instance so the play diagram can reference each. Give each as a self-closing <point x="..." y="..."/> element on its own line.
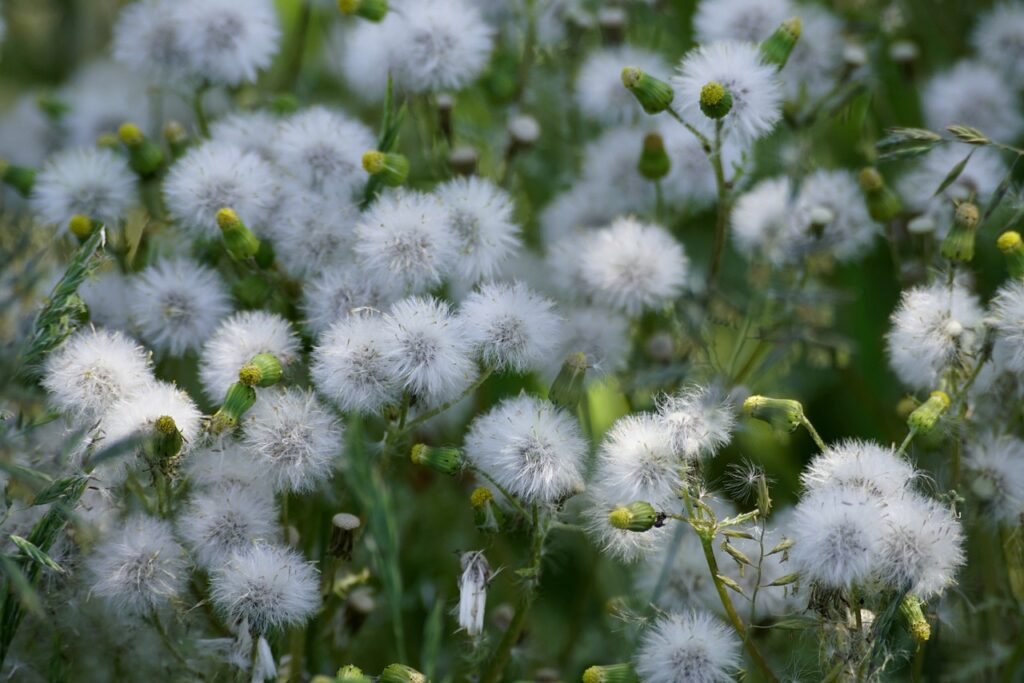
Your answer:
<point x="536" y="340"/>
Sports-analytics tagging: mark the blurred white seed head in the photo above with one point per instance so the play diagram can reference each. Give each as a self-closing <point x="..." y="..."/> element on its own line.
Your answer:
<point x="621" y="544"/>
<point x="313" y="232"/>
<point x="253" y="131"/>
<point x="972" y="94"/>
<point x="510" y="326"/>
<point x="862" y="465"/>
<point x="700" y="419"/>
<point x="995" y="466"/>
<point x="91" y="182"/>
<point x="227" y="41"/>
<point x="177" y="304"/>
<point x="322" y="149"/>
<point x="530" y="447"/>
<point x="222" y="519"/>
<point x="337" y="293"/>
<point x="351" y="366"/>
<point x="748" y="20"/>
<point x="688" y="648"/>
<point x="599" y="93"/>
<point x="479" y="215"/>
<point x="148" y="38"/>
<point x="637" y="462"/>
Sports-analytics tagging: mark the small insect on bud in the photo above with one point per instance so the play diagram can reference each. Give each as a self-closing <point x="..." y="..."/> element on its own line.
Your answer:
<point x="374" y="10"/>
<point x="20" y="178"/>
<point x="777" y="47"/>
<point x="239" y="399"/>
<point x="476" y="574"/>
<point x="400" y="673"/>
<point x="913" y="617"/>
<point x="959" y="243"/>
<point x="654" y="95"/>
<point x="144" y="156"/>
<point x="392" y="169"/>
<point x="443" y="459"/>
<point x="344" y="527"/>
<point x="781" y="413"/>
<point x="487" y="516"/>
<point x="883" y="204"/>
<point x="567" y="389"/>
<point x="463" y="160"/>
<point x="924" y="417"/>
<point x="638" y="516"/>
<point x="238" y="239"/>
<point x="654" y="162"/>
<point x="350" y="674"/>
<point x="1013" y="250"/>
<point x="610" y="673"/>
<point x="715" y="100"/>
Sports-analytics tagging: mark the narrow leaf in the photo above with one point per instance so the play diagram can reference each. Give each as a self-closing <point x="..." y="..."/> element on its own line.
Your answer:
<point x="21" y="587"/>
<point x="55" y="490"/>
<point x="997" y="196"/>
<point x="36" y="555"/>
<point x="953" y="174"/>
<point x="731" y="584"/>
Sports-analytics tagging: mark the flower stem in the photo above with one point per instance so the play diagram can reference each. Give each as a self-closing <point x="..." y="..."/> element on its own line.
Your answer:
<point x="814" y="433"/>
<point x="199" y="111"/>
<point x="423" y="417"/>
<point x="724" y="208"/>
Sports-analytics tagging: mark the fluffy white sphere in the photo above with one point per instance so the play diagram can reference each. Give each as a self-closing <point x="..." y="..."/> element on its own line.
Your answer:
<point x="227" y="41"/>
<point x="510" y="326"/>
<point x="700" y="420"/>
<point x="688" y="648"/>
<point x="224" y="519"/>
<point x="92" y="182"/>
<point x="351" y="366"/>
<point x="236" y="341"/>
<point x="480" y="218"/>
<point x="323" y="149"/>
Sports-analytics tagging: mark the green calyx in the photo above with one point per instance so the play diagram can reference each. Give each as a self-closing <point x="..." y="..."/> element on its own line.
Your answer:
<point x="715" y="100"/>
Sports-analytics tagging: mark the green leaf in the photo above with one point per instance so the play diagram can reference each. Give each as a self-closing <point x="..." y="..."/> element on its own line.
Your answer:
<point x="36" y="555"/>
<point x="21" y="587"/>
<point x="117" y="449"/>
<point x="997" y="196"/>
<point x="796" y="623"/>
<point x="56" y="489"/>
<point x="433" y="632"/>
<point x="134" y="227"/>
<point x="953" y="174"/>
<point x="733" y="533"/>
<point x="900" y="135"/>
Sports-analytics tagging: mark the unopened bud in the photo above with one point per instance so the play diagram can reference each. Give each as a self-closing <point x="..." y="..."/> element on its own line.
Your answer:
<point x="924" y="417"/>
<point x="350" y="674"/>
<point x="144" y="156"/>
<point x="715" y="100"/>
<point x="400" y="673"/>
<point x="612" y="23"/>
<point x="610" y="673"/>
<point x="238" y="239"/>
<point x="391" y="168"/>
<point x="654" y="162"/>
<point x="165" y="444"/>
<point x="463" y="160"/>
<point x="637" y="516"/>
<point x="781" y="413"/>
<point x="883" y="204"/>
<point x="443" y="459"/>
<point x="921" y="225"/>
<point x="959" y="243"/>
<point x="524" y="130"/>
<point x="237" y="402"/>
<point x="779" y="45"/>
<point x="654" y="95"/>
<point x="913" y="617"/>
<point x="20" y="178"/>
<point x="1013" y="250"/>
<point x="374" y="10"/>
<point x="567" y="389"/>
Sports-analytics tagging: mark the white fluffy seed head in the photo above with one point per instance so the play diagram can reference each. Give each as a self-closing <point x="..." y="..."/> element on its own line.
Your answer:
<point x="748" y="20"/>
<point x="633" y="266"/>
<point x="92" y="370"/>
<point x="688" y="648"/>
<point x="510" y="326"/>
<point x="848" y="232"/>
<point x="1008" y="320"/>
<point x="351" y="366"/>
<point x="428" y="350"/>
<point x="404" y="242"/>
<point x="92" y="182"/>
<point x="998" y="39"/>
<point x="295" y="437"/>
<point x="236" y="341"/>
<point x="106" y="296"/>
<point x="444" y="45"/>
<point x="138" y="568"/>
<point x="838" y="534"/>
<point x="227" y="41"/>
<point x="756" y="90"/>
<point x="148" y="38"/>
<point x="972" y="94"/>
<point x="600" y="334"/>
<point x="323" y="149"/>
<point x="530" y="447"/>
<point x="226" y="464"/>
<point x="265" y="587"/>
<point x="360" y="54"/>
<point x="223" y="519"/>
<point x="599" y="93"/>
<point x="480" y="218"/>
<point x="637" y="462"/>
<point x="700" y="419"/>
<point x="860" y="465"/>
<point x="921" y="546"/>
<point x="177" y="304"/>
<point x="335" y="294"/>
<point x="313" y="232"/>
<point x="996" y="467"/>
<point x="217" y="175"/>
<point x="933" y="328"/>
<point x="762" y="220"/>
<point x="253" y="131"/>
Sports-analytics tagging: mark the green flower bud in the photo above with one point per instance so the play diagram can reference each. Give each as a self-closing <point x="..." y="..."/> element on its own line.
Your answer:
<point x="924" y="417"/>
<point x="400" y="673"/>
<point x="253" y="291"/>
<point x="19" y="178"/>
<point x="374" y="10"/>
<point x="883" y="204"/>
<point x="239" y="399"/>
<point x="1013" y="250"/>
<point x="715" y="100"/>
<point x="567" y="389"/>
<point x="654" y="95"/>
<point x="144" y="156"/>
<point x="487" y="515"/>
<point x="238" y="239"/>
<point x="914" y="619"/>
<point x="443" y="459"/>
<point x="392" y="169"/>
<point x="654" y="162"/>
<point x="635" y="517"/>
<point x="609" y="673"/>
<point x="52" y="106"/>
<point x="165" y="445"/>
<point x="264" y="370"/>
<point x="781" y="413"/>
<point x="959" y="243"/>
<point x="779" y="45"/>
<point x="176" y="137"/>
<point x="351" y="674"/>
<point x="284" y="103"/>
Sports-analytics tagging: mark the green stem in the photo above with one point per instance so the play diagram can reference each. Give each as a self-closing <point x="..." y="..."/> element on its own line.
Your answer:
<point x="814" y="433"/>
<point x="423" y="417"/>
<point x="169" y="643"/>
<point x="508" y="496"/>
<point x="724" y="208"/>
<point x="200" y="111"/>
<point x="730" y="611"/>
<point x="705" y="143"/>
<point x="295" y="67"/>
<point x="906" y="442"/>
